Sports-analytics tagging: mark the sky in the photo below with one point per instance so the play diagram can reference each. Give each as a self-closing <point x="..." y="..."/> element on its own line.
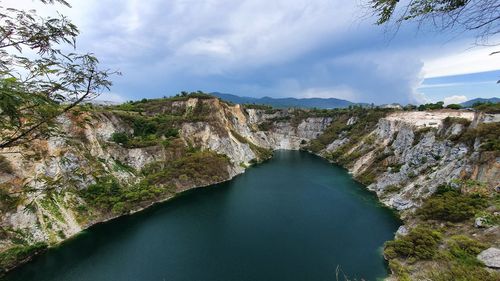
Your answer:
<point x="277" y="48"/>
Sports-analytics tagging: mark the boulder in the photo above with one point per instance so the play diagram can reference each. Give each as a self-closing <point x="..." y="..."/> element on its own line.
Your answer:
<point x="402" y="231"/>
<point x="490" y="257"/>
<point x="480" y="222"/>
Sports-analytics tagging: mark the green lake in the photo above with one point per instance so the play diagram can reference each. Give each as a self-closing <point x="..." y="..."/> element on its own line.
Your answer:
<point x="295" y="217"/>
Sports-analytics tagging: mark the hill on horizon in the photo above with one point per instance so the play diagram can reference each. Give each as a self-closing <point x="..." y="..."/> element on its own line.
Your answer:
<point x="480" y="100"/>
<point x="322" y="103"/>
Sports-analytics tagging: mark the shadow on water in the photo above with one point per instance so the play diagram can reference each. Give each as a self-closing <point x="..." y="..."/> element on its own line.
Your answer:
<point x="295" y="217"/>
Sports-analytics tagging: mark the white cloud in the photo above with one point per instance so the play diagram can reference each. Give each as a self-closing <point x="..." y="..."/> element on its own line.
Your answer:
<point x="454" y="99"/>
<point x="445" y="85"/>
<point x="111" y="97"/>
<point x="232" y="34"/>
<point x="419" y="98"/>
<point x="260" y="47"/>
<point x="473" y="60"/>
<point x="206" y="46"/>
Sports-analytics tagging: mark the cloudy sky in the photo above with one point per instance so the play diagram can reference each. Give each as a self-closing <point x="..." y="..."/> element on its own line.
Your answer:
<point x="278" y="48"/>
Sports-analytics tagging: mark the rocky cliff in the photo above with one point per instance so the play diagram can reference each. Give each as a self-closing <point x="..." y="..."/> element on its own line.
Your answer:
<point x="409" y="154"/>
<point x="99" y="163"/>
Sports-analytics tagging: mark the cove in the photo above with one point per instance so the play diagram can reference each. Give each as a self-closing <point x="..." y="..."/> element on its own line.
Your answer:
<point x="295" y="217"/>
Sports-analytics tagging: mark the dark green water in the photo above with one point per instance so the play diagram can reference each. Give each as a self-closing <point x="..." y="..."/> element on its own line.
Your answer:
<point x="295" y="217"/>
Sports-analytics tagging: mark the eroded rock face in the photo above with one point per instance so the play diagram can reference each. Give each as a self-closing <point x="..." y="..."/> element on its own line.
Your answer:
<point x="490" y="257"/>
<point x="423" y="159"/>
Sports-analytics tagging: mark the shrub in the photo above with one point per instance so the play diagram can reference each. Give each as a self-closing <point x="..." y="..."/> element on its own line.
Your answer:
<point x="399" y="270"/>
<point x="367" y="177"/>
<point x="265" y="126"/>
<point x="103" y="193"/>
<point x="448" y="204"/>
<point x="392" y="188"/>
<point x="420" y="133"/>
<point x="396" y="168"/>
<point x="489" y="134"/>
<point x="454" y="106"/>
<point x="420" y="244"/>
<point x="7" y="201"/>
<point x="119" y="208"/>
<point x="143" y="127"/>
<point x="465" y="248"/>
<point x="431" y="106"/>
<point x="171" y="133"/>
<point x="455" y="120"/>
<point x="5" y="165"/>
<point x="120" y="137"/>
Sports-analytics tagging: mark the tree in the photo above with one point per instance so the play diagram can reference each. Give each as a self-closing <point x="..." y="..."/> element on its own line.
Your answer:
<point x="35" y="89"/>
<point x="481" y="17"/>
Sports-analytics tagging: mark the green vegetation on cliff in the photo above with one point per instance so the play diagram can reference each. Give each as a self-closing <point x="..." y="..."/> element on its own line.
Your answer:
<point x="441" y="246"/>
<point x="364" y="122"/>
<point x="421" y="243"/>
<point x="11" y="257"/>
<point x="449" y="204"/>
<point x="159" y="180"/>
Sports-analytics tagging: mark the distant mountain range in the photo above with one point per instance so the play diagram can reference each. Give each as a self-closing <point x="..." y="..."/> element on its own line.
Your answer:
<point x="480" y="100"/>
<point x="287" y="102"/>
<point x="322" y="103"/>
